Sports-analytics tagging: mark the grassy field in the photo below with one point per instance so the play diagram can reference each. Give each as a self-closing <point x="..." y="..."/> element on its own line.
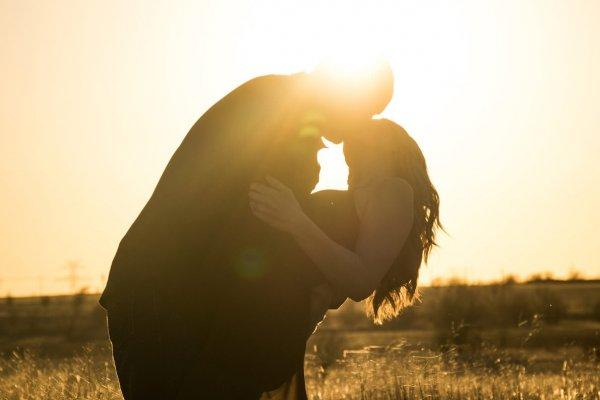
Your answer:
<point x="398" y="371"/>
<point x="492" y="342"/>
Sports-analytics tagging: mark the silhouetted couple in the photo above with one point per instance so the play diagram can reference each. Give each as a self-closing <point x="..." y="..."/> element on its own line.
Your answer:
<point x="232" y="263"/>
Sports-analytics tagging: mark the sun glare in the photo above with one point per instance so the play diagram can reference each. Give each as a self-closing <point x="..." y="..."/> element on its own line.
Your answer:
<point x="351" y="62"/>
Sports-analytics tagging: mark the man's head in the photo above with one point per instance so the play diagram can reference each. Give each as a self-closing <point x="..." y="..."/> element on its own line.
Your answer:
<point x="344" y="98"/>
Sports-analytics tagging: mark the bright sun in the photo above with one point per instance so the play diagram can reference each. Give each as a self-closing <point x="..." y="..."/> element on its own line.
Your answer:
<point x="348" y="40"/>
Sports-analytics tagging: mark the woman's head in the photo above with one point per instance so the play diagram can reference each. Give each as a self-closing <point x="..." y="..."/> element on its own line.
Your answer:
<point x="388" y="150"/>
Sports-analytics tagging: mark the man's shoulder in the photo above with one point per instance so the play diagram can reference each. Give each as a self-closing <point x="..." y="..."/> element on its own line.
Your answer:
<point x="260" y="93"/>
<point x="271" y="80"/>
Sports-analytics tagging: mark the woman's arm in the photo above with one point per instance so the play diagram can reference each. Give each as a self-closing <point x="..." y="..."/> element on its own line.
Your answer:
<point x="384" y="226"/>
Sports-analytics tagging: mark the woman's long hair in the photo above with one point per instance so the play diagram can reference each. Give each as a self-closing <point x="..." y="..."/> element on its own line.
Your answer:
<point x="398" y="289"/>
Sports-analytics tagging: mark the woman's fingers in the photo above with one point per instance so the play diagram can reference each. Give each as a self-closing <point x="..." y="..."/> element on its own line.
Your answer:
<point x="264" y="214"/>
<point x="260" y="197"/>
<point x="273" y="204"/>
<point x="275" y="183"/>
<point x="267" y="202"/>
<point x="262" y="207"/>
<point x="264" y="189"/>
<point x="267" y="217"/>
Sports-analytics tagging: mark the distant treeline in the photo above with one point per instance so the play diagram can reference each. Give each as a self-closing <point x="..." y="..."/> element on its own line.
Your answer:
<point x="570" y="309"/>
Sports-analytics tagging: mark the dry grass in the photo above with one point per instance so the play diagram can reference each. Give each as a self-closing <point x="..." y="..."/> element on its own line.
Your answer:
<point x="396" y="372"/>
<point x="399" y="373"/>
<point x="86" y="375"/>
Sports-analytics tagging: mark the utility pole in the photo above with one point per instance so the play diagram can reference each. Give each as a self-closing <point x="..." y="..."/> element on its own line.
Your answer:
<point x="73" y="276"/>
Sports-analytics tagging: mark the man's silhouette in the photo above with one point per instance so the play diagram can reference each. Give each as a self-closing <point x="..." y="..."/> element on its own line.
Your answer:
<point x="198" y="285"/>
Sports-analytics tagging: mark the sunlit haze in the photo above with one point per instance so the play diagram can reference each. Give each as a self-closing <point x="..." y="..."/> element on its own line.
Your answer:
<point x="502" y="96"/>
<point x="334" y="170"/>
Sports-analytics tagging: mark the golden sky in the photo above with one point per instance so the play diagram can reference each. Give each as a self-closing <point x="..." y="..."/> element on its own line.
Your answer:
<point x="502" y="96"/>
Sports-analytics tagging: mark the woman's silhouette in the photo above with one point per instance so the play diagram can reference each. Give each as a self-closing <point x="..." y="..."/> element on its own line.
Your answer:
<point x="380" y="230"/>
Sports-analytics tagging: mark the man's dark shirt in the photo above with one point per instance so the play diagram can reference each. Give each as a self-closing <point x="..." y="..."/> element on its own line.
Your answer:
<point x="196" y="258"/>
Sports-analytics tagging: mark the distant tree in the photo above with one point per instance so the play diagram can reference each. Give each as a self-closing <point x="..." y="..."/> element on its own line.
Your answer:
<point x="509" y="280"/>
<point x="456" y="281"/>
<point x="534" y="278"/>
<point x="437" y="282"/>
<point x="548" y="276"/>
<point x="574" y="275"/>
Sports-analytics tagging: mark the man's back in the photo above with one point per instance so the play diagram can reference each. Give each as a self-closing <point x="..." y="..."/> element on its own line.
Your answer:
<point x="204" y="179"/>
<point x="174" y="266"/>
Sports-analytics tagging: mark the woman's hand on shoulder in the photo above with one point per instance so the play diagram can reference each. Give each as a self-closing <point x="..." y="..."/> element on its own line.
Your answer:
<point x="275" y="204"/>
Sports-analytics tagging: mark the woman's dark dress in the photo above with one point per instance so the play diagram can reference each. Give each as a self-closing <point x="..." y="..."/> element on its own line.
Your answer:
<point x="228" y="369"/>
<point x="335" y="212"/>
